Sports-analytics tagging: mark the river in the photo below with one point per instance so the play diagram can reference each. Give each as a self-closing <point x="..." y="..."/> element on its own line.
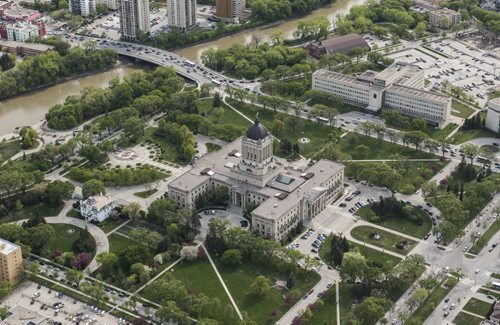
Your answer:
<point x="30" y="108"/>
<point x="340" y="7"/>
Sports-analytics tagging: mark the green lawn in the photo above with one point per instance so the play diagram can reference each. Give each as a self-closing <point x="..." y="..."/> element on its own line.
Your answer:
<point x="360" y="67"/>
<point x="211" y="147"/>
<point x="317" y="133"/>
<point x="110" y="224"/>
<point x="404" y="226"/>
<point x="441" y="133"/>
<point x="228" y="116"/>
<point x="9" y="149"/>
<point x="385" y="260"/>
<point x="495" y="275"/>
<point x="199" y="277"/>
<point x="485" y="238"/>
<point x="387" y="241"/>
<point x="429" y="305"/>
<point x="466" y="319"/>
<point x="145" y="194"/>
<point x="464" y="136"/>
<point x="478" y="307"/>
<point x="464" y="111"/>
<point x="118" y="243"/>
<point x="239" y="280"/>
<point x="64" y="240"/>
<point x="327" y="314"/>
<point x="379" y="149"/>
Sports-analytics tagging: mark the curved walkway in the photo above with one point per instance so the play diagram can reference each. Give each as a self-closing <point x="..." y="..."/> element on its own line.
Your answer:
<point x="101" y="240"/>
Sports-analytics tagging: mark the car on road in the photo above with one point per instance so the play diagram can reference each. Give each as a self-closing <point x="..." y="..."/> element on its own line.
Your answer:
<point x="446" y="313"/>
<point x="305" y="296"/>
<point x="427" y="236"/>
<point x="446" y="299"/>
<point x="465" y="249"/>
<point x="445" y="307"/>
<point x="329" y="285"/>
<point x="477" y="271"/>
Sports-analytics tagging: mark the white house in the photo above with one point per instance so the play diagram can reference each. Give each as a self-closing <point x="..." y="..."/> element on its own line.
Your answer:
<point x="97" y="208"/>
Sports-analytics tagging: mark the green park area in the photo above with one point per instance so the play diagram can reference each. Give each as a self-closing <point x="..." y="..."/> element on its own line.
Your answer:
<point x="433" y="299"/>
<point x="111" y="223"/>
<point x="168" y="149"/>
<point x="211" y="147"/>
<point x="478" y="307"/>
<point x="268" y="308"/>
<point x="198" y="277"/>
<point x="222" y="114"/>
<point x="145" y="194"/>
<point x="118" y="243"/>
<point x="295" y="128"/>
<point x="9" y="149"/>
<point x="466" y="135"/>
<point x="485" y="238"/>
<point x="325" y="313"/>
<point x="383" y="239"/>
<point x="66" y="235"/>
<point x="489" y="292"/>
<point x="466" y="319"/>
<point x="417" y="225"/>
<point x="461" y="110"/>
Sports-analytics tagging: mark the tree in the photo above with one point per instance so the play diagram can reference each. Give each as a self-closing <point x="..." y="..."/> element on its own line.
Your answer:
<point x="260" y="286"/>
<point x="232" y="257"/>
<point x="40" y="237"/>
<point x="206" y="89"/>
<point x="5" y="289"/>
<point x="132" y="210"/>
<point x="146" y="237"/>
<point x="353" y="267"/>
<point x="7" y="61"/>
<point x="29" y="137"/>
<point x="95" y="290"/>
<point x="417" y="298"/>
<point x="134" y="127"/>
<point x="93" y="187"/>
<point x="109" y="264"/>
<point x="58" y="190"/>
<point x="92" y="153"/>
<point x="74" y="276"/>
<point x="470" y="151"/>
<point x="84" y="243"/>
<point x="170" y="312"/>
<point x="371" y="310"/>
<point x="415" y="138"/>
<point x="420" y="29"/>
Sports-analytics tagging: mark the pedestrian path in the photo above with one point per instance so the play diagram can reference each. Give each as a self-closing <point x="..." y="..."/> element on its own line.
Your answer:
<point x="467" y="282"/>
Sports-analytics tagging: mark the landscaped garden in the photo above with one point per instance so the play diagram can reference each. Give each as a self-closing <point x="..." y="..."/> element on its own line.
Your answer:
<point x="383" y="239"/>
<point x="398" y="216"/>
<point x="478" y="307"/>
<point x="66" y="235"/>
<point x="466" y="319"/>
<point x="222" y="114"/>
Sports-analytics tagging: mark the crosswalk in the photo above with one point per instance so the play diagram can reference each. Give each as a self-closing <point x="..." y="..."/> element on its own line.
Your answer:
<point x="468" y="282"/>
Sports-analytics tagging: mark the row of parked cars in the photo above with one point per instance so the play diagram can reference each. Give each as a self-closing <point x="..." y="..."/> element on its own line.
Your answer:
<point x="317" y="243"/>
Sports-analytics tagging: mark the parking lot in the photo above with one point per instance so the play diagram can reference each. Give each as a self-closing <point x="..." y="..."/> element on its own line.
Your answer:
<point x="462" y="64"/>
<point x="58" y="308"/>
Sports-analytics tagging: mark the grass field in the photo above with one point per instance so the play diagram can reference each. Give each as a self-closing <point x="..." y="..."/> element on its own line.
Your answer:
<point x="495" y="275"/>
<point x="464" y="136"/>
<point x="228" y="116"/>
<point x="463" y="111"/>
<point x="440" y="133"/>
<point x="268" y="309"/>
<point x="317" y="133"/>
<point x="489" y="292"/>
<point x="9" y="149"/>
<point x="145" y="194"/>
<point x="466" y="319"/>
<point x="64" y="240"/>
<point x="211" y="147"/>
<point x="110" y="224"/>
<point x="327" y="314"/>
<point x="485" y="238"/>
<point x="118" y="243"/>
<point x="387" y="241"/>
<point x="478" y="307"/>
<point x="404" y="226"/>
<point x="168" y="150"/>
<point x="199" y="277"/>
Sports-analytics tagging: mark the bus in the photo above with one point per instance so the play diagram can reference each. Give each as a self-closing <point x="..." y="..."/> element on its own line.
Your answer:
<point x="483" y="160"/>
<point x="323" y="119"/>
<point x="216" y="83"/>
<point x="189" y="63"/>
<point x="495" y="285"/>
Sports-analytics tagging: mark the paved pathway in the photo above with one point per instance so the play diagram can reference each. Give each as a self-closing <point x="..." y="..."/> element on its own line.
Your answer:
<point x="117" y="228"/>
<point x="337" y="301"/>
<point x="223" y="284"/>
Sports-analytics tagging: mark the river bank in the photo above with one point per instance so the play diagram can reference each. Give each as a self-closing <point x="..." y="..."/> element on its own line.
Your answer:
<point x="30" y="107"/>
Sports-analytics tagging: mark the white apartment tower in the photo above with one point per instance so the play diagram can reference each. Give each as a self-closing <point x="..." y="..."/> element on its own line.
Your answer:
<point x="110" y="4"/>
<point x="181" y="14"/>
<point x="134" y="17"/>
<point x="82" y="7"/>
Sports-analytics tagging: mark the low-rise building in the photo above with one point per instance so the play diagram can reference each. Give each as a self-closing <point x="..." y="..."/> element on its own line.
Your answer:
<point x="22" y="32"/>
<point x="97" y="208"/>
<point x="493" y="115"/>
<point x="341" y="44"/>
<point x="398" y="87"/>
<point x="15" y="13"/>
<point x="253" y="176"/>
<point x="11" y="261"/>
<point x="19" y="48"/>
<point x="444" y="18"/>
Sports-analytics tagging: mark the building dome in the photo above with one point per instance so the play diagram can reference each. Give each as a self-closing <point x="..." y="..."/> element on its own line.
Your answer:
<point x="257" y="131"/>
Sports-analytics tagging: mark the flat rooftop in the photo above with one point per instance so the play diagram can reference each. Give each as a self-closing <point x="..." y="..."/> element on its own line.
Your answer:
<point x="322" y="170"/>
<point x="344" y="78"/>
<point x="34" y="46"/>
<point x="418" y="92"/>
<point x="6" y="247"/>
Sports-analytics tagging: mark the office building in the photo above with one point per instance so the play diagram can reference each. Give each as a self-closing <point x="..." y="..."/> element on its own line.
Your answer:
<point x="181" y="14"/>
<point x="82" y="7"/>
<point x="398" y="87"/>
<point x="254" y="176"/>
<point x="493" y="115"/>
<point x="229" y="10"/>
<point x="134" y="18"/>
<point x="444" y="18"/>
<point x="22" y="32"/>
<point x="11" y="261"/>
<point x="110" y="4"/>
